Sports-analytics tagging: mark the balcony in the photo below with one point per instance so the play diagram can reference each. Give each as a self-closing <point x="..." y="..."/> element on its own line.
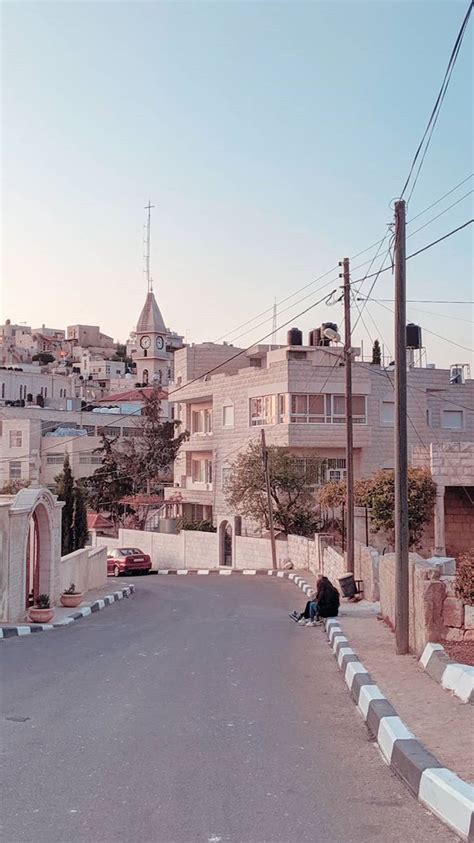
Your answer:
<point x="191" y="493"/>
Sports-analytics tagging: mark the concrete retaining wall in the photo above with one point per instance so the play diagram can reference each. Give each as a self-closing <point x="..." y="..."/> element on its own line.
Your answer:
<point x="86" y="568"/>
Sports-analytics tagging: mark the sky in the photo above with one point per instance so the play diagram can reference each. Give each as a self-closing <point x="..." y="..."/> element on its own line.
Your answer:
<point x="272" y="139"/>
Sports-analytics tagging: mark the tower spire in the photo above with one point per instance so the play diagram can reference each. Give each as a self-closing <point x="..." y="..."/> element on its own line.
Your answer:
<point x="149" y="280"/>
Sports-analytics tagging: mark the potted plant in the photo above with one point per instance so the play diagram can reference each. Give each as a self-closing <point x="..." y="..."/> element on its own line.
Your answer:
<point x="41" y="612"/>
<point x="70" y="597"/>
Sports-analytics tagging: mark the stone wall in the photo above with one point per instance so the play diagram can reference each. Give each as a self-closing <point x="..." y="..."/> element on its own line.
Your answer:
<point x="333" y="564"/>
<point x="299" y="551"/>
<point x="196" y="549"/>
<point x="86" y="568"/>
<point x="435" y="613"/>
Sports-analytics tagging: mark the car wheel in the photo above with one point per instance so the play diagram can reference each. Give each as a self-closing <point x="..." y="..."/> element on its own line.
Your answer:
<point x="116" y="571"/>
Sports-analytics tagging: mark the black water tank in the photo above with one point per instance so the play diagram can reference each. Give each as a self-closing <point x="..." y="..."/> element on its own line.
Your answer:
<point x="294" y="337"/>
<point x="413" y="334"/>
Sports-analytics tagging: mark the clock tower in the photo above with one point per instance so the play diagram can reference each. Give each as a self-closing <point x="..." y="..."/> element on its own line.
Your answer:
<point x="151" y="355"/>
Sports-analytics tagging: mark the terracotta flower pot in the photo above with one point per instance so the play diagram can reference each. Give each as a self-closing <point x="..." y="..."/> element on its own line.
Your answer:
<point x="40" y="615"/>
<point x="71" y="600"/>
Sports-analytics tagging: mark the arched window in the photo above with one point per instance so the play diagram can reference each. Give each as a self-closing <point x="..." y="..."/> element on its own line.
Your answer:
<point x="145" y="376"/>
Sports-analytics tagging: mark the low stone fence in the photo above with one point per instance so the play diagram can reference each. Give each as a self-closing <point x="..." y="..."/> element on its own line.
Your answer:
<point x="86" y="568"/>
<point x="435" y="613"/>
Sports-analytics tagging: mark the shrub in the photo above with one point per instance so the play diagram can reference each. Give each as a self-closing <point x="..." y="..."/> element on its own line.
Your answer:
<point x="71" y="589"/>
<point x="465" y="578"/>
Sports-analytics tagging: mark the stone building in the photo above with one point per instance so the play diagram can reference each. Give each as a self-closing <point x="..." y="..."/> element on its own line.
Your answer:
<point x="297" y="393"/>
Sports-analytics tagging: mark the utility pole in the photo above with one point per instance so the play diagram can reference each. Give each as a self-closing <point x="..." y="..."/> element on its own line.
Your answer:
<point x="401" y="445"/>
<point x="349" y="431"/>
<point x="269" y="499"/>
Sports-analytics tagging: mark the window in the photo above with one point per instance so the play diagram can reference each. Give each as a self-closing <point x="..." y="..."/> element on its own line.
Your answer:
<point x="3" y="390"/>
<point x="262" y="410"/>
<point x="388" y="412"/>
<point x="16" y="438"/>
<point x="15" y="470"/>
<point x="131" y="431"/>
<point x="108" y="431"/>
<point x="90" y="459"/>
<point x="1" y="428"/>
<point x="202" y="471"/>
<point x="320" y="409"/>
<point x="452" y="420"/>
<point x="89" y="428"/>
<point x="55" y="459"/>
<point x="202" y="421"/>
<point x="228" y="415"/>
<point x="46" y="392"/>
<point x="335" y="469"/>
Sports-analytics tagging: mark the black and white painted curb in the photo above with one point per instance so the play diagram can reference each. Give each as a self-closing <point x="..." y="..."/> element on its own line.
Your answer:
<point x="455" y="677"/>
<point x="96" y="606"/>
<point x="435" y="786"/>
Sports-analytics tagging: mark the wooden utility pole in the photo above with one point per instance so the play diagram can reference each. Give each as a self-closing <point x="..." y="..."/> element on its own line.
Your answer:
<point x="401" y="445"/>
<point x="349" y="431"/>
<point x="269" y="499"/>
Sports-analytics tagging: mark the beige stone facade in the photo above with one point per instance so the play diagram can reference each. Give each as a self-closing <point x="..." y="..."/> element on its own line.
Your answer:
<point x="298" y="394"/>
<point x="30" y="450"/>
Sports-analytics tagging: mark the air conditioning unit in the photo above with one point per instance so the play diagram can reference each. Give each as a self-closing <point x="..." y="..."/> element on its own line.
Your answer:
<point x="334" y="475"/>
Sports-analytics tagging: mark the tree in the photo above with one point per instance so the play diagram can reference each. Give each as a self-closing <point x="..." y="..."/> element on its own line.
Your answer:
<point x="377" y="493"/>
<point x="376" y="354"/>
<point x="81" y="532"/>
<point x="65" y="492"/>
<point x="43" y="357"/>
<point x="109" y="482"/>
<point x="11" y="487"/>
<point x="146" y="458"/>
<point x="293" y="505"/>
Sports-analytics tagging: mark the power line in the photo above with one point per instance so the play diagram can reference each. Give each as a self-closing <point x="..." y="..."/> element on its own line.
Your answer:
<point x="427" y="330"/>
<point x="423" y="249"/>
<point x="448" y="193"/>
<point x="441" y="213"/>
<point x="428" y="133"/>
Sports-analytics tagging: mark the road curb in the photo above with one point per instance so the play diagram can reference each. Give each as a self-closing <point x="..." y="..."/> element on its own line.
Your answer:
<point x="96" y="606"/>
<point x="436" y="787"/>
<point x="454" y="676"/>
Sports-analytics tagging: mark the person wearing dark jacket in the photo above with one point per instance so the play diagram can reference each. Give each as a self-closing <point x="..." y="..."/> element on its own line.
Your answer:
<point x="325" y="604"/>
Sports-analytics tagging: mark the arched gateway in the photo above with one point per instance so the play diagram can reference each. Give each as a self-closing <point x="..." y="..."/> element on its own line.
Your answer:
<point x="30" y="524"/>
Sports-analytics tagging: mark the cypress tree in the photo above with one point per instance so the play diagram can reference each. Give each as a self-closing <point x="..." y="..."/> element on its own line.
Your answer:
<point x="81" y="533"/>
<point x="65" y="492"/>
<point x="376" y="354"/>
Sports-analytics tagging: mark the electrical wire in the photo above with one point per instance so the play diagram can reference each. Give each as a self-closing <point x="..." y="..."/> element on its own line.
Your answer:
<point x="448" y="193"/>
<point x="433" y="119"/>
<point x="427" y="330"/>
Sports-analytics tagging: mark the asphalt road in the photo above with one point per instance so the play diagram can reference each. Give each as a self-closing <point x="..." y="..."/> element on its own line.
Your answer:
<point x="195" y="712"/>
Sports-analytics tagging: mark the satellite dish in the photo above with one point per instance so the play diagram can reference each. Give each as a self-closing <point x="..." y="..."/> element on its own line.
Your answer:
<point x="330" y="334"/>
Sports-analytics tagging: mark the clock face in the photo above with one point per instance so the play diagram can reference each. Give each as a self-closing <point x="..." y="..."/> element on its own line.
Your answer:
<point x="160" y="342"/>
<point x="145" y="342"/>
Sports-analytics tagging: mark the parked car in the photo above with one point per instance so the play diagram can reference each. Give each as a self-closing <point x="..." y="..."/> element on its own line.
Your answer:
<point x="127" y="560"/>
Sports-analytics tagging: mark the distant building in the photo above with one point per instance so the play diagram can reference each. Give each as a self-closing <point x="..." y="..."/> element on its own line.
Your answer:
<point x="33" y="387"/>
<point x="87" y="336"/>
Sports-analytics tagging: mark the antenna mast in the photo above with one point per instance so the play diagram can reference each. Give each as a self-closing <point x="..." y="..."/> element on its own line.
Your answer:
<point x="274" y="324"/>
<point x="149" y="280"/>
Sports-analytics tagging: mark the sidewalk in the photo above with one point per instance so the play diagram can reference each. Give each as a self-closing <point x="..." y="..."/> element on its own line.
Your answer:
<point x="439" y="720"/>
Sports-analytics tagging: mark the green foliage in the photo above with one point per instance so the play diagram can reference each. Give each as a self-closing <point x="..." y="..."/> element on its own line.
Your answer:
<point x="465" y="578"/>
<point x="148" y="457"/>
<point x="109" y="482"/>
<point x="81" y="532"/>
<point x="376" y="353"/>
<point x="43" y="602"/>
<point x="43" y="357"/>
<point x="200" y="526"/>
<point x="65" y="492"/>
<point x="378" y="494"/>
<point x="293" y="505"/>
<point x="74" y="532"/>
<point x="11" y="487"/>
<point x="71" y="589"/>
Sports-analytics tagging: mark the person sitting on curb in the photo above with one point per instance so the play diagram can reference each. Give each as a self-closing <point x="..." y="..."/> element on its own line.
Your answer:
<point x="322" y="604"/>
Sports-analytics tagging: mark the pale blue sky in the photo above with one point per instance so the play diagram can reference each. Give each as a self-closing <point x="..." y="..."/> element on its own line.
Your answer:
<point x="270" y="136"/>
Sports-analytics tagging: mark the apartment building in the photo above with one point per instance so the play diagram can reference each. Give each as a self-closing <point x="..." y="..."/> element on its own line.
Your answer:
<point x="30" y="384"/>
<point x="34" y="441"/>
<point x="297" y="393"/>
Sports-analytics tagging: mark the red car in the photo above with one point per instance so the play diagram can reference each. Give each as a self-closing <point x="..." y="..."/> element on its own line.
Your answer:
<point x="128" y="560"/>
